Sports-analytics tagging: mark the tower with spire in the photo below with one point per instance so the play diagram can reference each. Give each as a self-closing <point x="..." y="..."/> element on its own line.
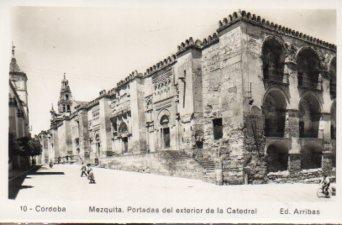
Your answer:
<point x="65" y="97"/>
<point x="19" y="80"/>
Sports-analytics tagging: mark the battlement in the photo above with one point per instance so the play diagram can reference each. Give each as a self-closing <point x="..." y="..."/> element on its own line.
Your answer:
<point x="102" y="92"/>
<point x="211" y="39"/>
<point x="160" y="65"/>
<point x="189" y="44"/>
<point x="130" y="77"/>
<point x="112" y="92"/>
<point x="92" y="102"/>
<point x="257" y="20"/>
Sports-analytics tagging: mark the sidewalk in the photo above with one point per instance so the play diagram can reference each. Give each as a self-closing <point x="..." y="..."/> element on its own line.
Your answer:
<point x="16" y="178"/>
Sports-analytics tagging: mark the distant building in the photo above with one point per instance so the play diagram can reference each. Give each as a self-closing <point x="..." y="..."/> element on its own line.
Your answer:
<point x="18" y="112"/>
<point x="253" y="102"/>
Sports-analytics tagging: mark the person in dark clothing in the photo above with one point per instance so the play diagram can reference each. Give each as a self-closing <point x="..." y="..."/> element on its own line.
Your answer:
<point x="325" y="185"/>
<point x="83" y="170"/>
<point x="91" y="177"/>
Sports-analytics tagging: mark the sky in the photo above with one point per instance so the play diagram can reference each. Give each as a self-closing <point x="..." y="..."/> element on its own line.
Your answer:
<point x="97" y="47"/>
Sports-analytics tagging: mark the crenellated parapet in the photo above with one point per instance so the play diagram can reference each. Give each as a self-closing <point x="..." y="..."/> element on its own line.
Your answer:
<point x="160" y="65"/>
<point x="129" y="78"/>
<point x="211" y="39"/>
<point x="91" y="103"/>
<point x="112" y="92"/>
<point x="257" y="20"/>
<point x="189" y="43"/>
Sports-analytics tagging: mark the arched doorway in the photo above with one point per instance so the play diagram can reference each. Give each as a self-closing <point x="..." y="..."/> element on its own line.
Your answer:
<point x="165" y="131"/>
<point x="273" y="60"/>
<point x="274" y="110"/>
<point x="309" y="116"/>
<point x="311" y="157"/>
<point x="333" y="121"/>
<point x="332" y="72"/>
<point x="308" y="66"/>
<point x="277" y="157"/>
<point x="333" y="130"/>
<point x="123" y="133"/>
<point x="199" y="135"/>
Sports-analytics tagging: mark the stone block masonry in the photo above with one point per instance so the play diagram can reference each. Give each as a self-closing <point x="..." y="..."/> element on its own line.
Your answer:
<point x="238" y="107"/>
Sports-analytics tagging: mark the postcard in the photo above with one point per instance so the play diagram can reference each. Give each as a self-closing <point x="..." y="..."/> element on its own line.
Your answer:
<point x="169" y="112"/>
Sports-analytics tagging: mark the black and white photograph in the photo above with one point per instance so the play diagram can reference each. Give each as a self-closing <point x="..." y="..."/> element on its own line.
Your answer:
<point x="173" y="104"/>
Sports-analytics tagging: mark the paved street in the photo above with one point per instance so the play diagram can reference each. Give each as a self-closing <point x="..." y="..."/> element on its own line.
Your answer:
<point x="64" y="182"/>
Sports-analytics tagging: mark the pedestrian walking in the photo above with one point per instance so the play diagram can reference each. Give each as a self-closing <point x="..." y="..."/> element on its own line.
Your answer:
<point x="83" y="170"/>
<point x="88" y="168"/>
<point x="91" y="177"/>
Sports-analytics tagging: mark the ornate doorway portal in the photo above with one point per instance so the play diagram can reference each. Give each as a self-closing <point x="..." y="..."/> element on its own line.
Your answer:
<point x="123" y="132"/>
<point x="165" y="131"/>
<point x="125" y="144"/>
<point x="166" y="137"/>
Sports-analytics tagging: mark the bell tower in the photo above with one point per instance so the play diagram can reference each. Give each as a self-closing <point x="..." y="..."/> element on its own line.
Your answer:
<point x="65" y="97"/>
<point x="19" y="79"/>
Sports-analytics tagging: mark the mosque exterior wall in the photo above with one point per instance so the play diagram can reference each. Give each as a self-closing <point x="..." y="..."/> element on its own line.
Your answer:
<point x="252" y="103"/>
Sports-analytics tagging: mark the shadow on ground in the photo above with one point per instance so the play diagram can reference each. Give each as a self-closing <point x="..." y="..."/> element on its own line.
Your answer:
<point x="46" y="173"/>
<point x="16" y="184"/>
<point x="26" y="186"/>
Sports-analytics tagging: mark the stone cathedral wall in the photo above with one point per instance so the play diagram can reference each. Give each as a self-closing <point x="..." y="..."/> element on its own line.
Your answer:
<point x="208" y="101"/>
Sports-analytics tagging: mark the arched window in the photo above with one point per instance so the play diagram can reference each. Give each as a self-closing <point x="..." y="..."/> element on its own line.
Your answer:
<point x="274" y="110"/>
<point x="68" y="108"/>
<point x="164" y="120"/>
<point x="332" y="71"/>
<point x="273" y="60"/>
<point x="66" y="97"/>
<point x="333" y="121"/>
<point x="333" y="130"/>
<point x="308" y="66"/>
<point x="277" y="158"/>
<point x="309" y="116"/>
